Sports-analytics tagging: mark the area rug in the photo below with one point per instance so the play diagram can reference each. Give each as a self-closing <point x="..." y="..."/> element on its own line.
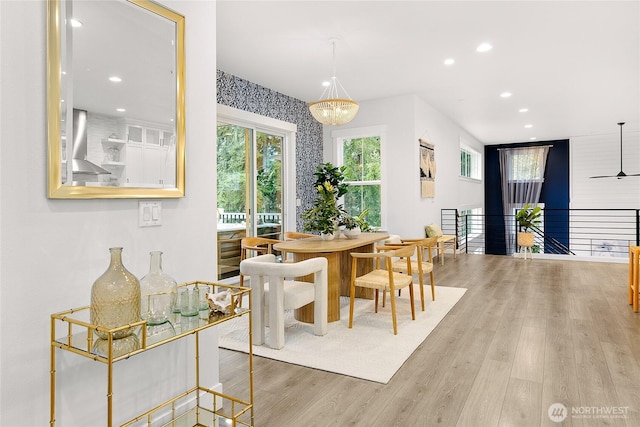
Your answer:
<point x="369" y="350"/>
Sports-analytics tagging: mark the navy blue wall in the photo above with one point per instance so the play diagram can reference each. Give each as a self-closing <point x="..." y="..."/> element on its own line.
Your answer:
<point x="555" y="194"/>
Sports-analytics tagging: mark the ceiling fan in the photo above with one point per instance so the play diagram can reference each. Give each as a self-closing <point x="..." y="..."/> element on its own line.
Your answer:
<point x="620" y="174"/>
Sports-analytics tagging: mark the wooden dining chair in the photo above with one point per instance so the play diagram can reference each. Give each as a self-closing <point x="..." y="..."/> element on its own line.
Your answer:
<point x="634" y="277"/>
<point x="422" y="264"/>
<point x="294" y="235"/>
<point x="444" y="241"/>
<point x="255" y="246"/>
<point x="382" y="278"/>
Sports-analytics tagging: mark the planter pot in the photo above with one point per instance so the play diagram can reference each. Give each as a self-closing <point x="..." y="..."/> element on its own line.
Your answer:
<point x="328" y="236"/>
<point x="525" y="239"/>
<point x="353" y="233"/>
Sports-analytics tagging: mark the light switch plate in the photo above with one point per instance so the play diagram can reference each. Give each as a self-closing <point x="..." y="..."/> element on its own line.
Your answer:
<point x="149" y="214"/>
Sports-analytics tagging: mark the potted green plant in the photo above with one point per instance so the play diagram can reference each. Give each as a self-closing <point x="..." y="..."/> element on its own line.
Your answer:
<point x="334" y="175"/>
<point x="326" y="215"/>
<point x="323" y="217"/>
<point x="364" y="225"/>
<point x="527" y="218"/>
<point x="354" y="225"/>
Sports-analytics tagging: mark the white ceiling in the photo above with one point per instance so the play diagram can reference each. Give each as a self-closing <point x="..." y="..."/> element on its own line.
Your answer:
<point x="574" y="64"/>
<point x="124" y="40"/>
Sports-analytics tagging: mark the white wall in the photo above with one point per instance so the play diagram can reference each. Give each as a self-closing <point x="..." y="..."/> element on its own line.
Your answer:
<point x="408" y="118"/>
<point x="596" y="155"/>
<point x="51" y="251"/>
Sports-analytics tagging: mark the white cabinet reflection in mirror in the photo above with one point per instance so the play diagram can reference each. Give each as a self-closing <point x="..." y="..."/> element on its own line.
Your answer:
<point x="136" y="154"/>
<point x="150" y="156"/>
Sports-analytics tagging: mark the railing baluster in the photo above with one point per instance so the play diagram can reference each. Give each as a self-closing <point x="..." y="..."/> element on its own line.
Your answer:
<point x="637" y="227"/>
<point x="583" y="232"/>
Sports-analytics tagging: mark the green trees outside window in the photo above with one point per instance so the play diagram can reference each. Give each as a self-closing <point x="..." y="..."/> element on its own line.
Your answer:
<point x="470" y="161"/>
<point x="362" y="163"/>
<point x="232" y="169"/>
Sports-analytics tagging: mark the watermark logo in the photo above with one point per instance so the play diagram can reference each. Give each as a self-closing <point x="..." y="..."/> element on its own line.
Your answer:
<point x="557" y="412"/>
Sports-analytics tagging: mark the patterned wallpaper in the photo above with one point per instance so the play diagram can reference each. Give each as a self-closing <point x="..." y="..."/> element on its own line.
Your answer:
<point x="244" y="95"/>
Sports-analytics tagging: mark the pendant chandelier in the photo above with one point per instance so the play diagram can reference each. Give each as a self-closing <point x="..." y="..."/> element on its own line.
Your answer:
<point x="332" y="109"/>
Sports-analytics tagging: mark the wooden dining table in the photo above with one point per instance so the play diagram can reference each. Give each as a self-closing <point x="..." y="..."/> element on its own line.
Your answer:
<point x="337" y="252"/>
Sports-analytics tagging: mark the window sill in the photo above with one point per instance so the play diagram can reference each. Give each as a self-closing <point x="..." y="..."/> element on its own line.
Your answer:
<point x="524" y="181"/>
<point x="466" y="178"/>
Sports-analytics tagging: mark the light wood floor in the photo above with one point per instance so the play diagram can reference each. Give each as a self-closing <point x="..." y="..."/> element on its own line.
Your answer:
<point x="526" y="334"/>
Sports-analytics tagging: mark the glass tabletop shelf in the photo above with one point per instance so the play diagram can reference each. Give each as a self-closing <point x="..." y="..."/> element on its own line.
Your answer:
<point x="72" y="331"/>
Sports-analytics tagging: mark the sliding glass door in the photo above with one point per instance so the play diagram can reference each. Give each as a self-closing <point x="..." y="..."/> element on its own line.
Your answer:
<point x="249" y="190"/>
<point x="268" y="175"/>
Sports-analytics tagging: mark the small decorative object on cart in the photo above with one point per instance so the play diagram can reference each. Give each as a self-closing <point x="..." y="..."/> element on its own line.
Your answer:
<point x="220" y="302"/>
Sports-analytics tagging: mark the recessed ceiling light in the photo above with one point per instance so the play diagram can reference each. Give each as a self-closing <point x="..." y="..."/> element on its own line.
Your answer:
<point x="75" y="23"/>
<point x="121" y="110"/>
<point x="532" y="138"/>
<point x="523" y="110"/>
<point x="449" y="61"/>
<point x="528" y="126"/>
<point x="326" y="84"/>
<point x="115" y="79"/>
<point x="484" y="47"/>
<point x="505" y="94"/>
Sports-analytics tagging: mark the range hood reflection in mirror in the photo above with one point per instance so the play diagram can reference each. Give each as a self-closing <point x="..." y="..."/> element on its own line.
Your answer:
<point x="124" y="68"/>
<point x="83" y="170"/>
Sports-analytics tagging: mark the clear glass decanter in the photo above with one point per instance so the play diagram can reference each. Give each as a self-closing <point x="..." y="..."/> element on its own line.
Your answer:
<point x="158" y="292"/>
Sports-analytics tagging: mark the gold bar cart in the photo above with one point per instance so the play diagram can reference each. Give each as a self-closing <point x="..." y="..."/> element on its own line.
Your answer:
<point x="78" y="337"/>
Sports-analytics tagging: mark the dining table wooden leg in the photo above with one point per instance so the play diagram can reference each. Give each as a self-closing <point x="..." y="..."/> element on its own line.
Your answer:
<point x="339" y="272"/>
<point x="305" y="313"/>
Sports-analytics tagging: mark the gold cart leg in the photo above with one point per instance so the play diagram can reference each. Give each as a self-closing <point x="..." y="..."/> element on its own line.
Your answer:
<point x="110" y="382"/>
<point x="52" y="372"/>
<point x="251" y="359"/>
<point x="197" y="378"/>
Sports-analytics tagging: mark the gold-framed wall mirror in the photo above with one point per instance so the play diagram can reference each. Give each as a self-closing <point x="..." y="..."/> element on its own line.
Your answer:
<point x="115" y="100"/>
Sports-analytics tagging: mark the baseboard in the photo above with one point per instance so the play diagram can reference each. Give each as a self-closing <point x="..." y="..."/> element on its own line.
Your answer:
<point x="613" y="260"/>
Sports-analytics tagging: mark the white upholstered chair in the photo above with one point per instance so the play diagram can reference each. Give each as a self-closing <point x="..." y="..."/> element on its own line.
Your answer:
<point x="273" y="293"/>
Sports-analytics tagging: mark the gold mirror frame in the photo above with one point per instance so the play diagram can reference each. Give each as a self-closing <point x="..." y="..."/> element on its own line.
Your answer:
<point x="56" y="190"/>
